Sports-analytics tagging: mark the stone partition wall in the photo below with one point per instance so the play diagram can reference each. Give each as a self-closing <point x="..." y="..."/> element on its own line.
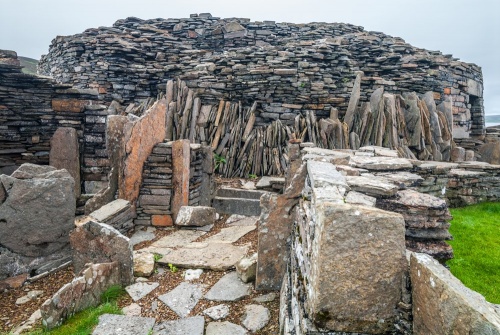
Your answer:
<point x="460" y="184"/>
<point x="32" y="109"/>
<point x="282" y="65"/>
<point x="154" y="206"/>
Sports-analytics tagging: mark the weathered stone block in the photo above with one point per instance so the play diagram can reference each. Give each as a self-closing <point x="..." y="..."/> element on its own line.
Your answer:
<point x="357" y="268"/>
<point x="161" y="220"/>
<point x="36" y="217"/>
<point x="195" y="216"/>
<point x="443" y="305"/>
<point x="95" y="242"/>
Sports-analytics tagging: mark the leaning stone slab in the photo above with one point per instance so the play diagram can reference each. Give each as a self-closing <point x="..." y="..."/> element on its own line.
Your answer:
<point x="229" y="288"/>
<point x="230" y="234"/>
<point x="95" y="242"/>
<point x="82" y="292"/>
<point x="357" y="268"/>
<point x="443" y="305"/>
<point x="111" y="324"/>
<point x="138" y="291"/>
<point x="215" y="256"/>
<point x="225" y="328"/>
<point x="380" y="163"/>
<point x="183" y="298"/>
<point x="195" y="216"/>
<point x="373" y="186"/>
<point x="189" y="326"/>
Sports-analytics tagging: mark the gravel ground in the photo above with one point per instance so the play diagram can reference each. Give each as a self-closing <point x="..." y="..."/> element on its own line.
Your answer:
<point x="12" y="315"/>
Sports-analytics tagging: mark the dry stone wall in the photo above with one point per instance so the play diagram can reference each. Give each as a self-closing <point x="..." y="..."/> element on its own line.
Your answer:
<point x="284" y="66"/>
<point x="154" y="206"/>
<point x="33" y="108"/>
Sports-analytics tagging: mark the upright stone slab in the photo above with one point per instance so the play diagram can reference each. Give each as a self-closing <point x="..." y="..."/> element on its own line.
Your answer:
<point x="180" y="175"/>
<point x="353" y="101"/>
<point x="65" y="154"/>
<point x="141" y="136"/>
<point x="275" y="227"/>
<point x="357" y="267"/>
<point x="443" y="305"/>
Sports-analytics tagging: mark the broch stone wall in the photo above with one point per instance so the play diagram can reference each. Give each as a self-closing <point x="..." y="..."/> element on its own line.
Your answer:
<point x="279" y="64"/>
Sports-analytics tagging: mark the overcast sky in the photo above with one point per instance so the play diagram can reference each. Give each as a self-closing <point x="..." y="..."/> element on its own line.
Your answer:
<point x="470" y="30"/>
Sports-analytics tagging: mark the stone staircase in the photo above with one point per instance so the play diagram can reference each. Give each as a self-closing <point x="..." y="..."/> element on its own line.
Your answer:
<point x="237" y="201"/>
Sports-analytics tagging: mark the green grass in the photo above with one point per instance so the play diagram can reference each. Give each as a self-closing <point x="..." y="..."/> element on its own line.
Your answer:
<point x="83" y="323"/>
<point x="476" y="244"/>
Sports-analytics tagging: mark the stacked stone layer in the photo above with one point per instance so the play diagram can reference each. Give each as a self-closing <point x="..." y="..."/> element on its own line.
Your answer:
<point x="312" y="66"/>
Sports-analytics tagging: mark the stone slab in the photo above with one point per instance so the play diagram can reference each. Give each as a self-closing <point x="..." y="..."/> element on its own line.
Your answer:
<point x="140" y="290"/>
<point x="217" y="312"/>
<point x="215" y="256"/>
<point x="144" y="264"/>
<point x="229" y="288"/>
<point x="111" y="324"/>
<point x="225" y="328"/>
<point x="380" y="163"/>
<point x="183" y="298"/>
<point x="322" y="174"/>
<point x="110" y="210"/>
<point x="195" y="216"/>
<point x="142" y="235"/>
<point x="357" y="198"/>
<point x="181" y="158"/>
<point x="230" y="234"/>
<point x="189" y="326"/>
<point x="373" y="186"/>
<point x="178" y="238"/>
<point x="357" y="268"/>
<point x="255" y="318"/>
<point x="65" y="154"/>
<point x="248" y="207"/>
<point x="242" y="220"/>
<point x="443" y="305"/>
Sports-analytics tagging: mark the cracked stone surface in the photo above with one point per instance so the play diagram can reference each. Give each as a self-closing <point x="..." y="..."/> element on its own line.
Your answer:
<point x="140" y="290"/>
<point x="229" y="288"/>
<point x="183" y="298"/>
<point x="188" y="326"/>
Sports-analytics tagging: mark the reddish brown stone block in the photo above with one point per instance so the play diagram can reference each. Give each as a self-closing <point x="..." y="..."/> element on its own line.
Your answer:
<point x="69" y="105"/>
<point x="145" y="133"/>
<point x="180" y="175"/>
<point x="162" y="220"/>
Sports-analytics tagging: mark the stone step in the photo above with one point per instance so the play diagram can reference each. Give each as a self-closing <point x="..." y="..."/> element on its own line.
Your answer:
<point x="248" y="207"/>
<point x="227" y="192"/>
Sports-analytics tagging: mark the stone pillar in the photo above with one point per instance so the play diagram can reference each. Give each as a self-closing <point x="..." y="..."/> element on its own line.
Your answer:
<point x="65" y="154"/>
<point x="207" y="185"/>
<point x="180" y="175"/>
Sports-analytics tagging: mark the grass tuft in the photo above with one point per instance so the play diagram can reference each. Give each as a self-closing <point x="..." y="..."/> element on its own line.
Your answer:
<point x="83" y="323"/>
<point x="476" y="245"/>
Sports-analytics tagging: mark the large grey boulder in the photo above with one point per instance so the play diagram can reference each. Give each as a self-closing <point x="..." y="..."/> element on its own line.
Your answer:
<point x="37" y="212"/>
